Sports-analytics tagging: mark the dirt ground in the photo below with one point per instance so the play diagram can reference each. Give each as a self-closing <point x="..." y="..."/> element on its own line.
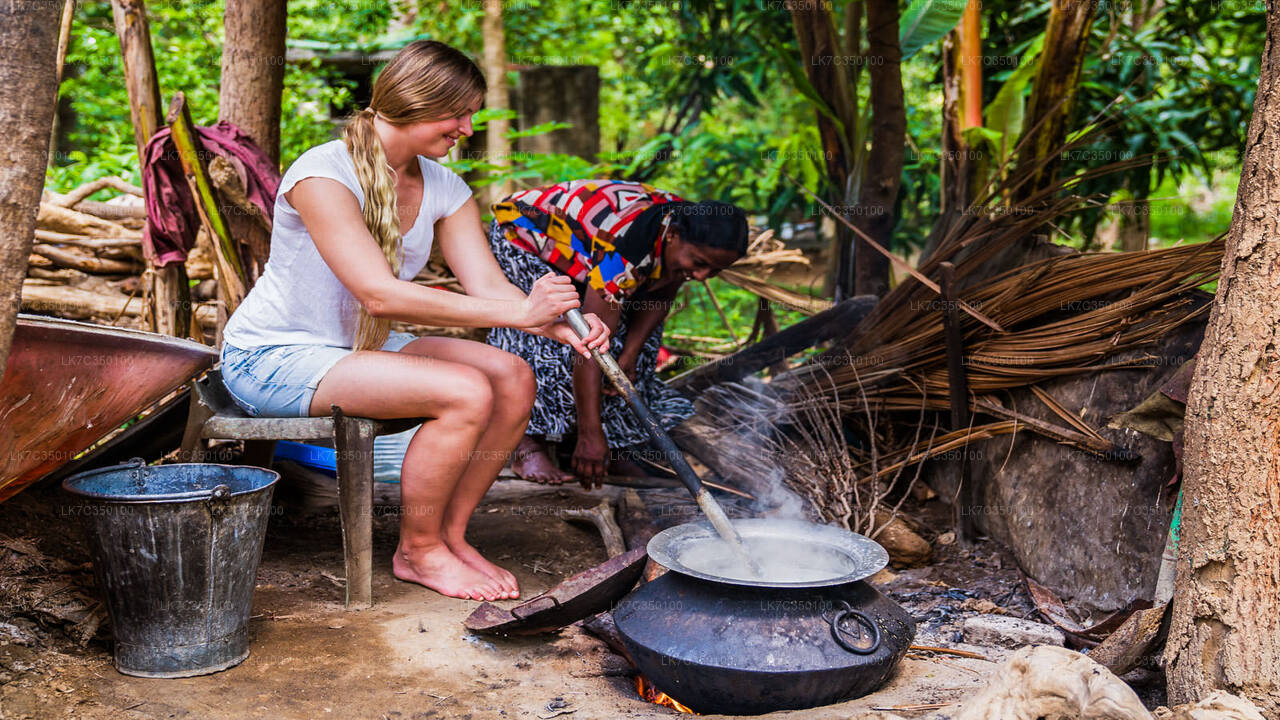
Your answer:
<point x="410" y="657"/>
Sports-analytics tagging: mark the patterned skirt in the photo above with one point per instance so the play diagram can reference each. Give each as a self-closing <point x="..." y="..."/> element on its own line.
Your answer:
<point x="554" y="414"/>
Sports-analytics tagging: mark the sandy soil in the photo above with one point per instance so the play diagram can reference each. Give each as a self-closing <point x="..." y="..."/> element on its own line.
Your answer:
<point x="409" y="657"/>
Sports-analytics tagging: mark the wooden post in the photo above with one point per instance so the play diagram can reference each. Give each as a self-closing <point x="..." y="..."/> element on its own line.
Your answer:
<point x="776" y="349"/>
<point x="171" y="296"/>
<point x="230" y="271"/>
<point x="1224" y="633"/>
<point x="958" y="386"/>
<point x="768" y="329"/>
<point x="353" y="440"/>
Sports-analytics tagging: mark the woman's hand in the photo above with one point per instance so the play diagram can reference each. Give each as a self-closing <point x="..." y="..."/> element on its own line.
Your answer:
<point x="589" y="457"/>
<point x="597" y="339"/>
<point x="550" y="296"/>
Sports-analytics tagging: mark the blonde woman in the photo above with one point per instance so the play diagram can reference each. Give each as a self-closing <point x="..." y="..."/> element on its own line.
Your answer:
<point x="354" y="222"/>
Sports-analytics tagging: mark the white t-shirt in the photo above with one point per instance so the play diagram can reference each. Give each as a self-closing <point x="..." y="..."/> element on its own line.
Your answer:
<point x="298" y="300"/>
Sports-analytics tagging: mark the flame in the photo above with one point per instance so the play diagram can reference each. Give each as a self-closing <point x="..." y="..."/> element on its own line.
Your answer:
<point x="647" y="691"/>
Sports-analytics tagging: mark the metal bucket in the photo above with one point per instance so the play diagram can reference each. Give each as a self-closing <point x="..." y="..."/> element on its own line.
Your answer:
<point x="175" y="550"/>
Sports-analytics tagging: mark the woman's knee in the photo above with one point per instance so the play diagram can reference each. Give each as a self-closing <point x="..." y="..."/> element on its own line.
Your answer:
<point x="514" y="385"/>
<point x="521" y="386"/>
<point x="468" y="396"/>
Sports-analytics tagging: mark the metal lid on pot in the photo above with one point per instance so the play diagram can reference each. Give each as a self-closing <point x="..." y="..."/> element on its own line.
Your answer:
<point x="837" y="556"/>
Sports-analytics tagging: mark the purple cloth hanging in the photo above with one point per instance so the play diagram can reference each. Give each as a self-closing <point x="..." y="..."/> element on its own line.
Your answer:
<point x="172" y="219"/>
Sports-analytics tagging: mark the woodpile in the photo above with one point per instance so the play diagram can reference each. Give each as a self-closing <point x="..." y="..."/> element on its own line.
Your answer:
<point x="87" y="261"/>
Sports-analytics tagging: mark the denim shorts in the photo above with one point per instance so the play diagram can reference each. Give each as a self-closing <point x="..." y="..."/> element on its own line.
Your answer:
<point x="280" y="380"/>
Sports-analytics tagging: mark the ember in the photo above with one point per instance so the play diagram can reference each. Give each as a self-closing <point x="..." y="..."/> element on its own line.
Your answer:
<point x="651" y="693"/>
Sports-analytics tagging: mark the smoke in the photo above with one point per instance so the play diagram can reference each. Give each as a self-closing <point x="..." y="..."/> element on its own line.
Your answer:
<point x="764" y="444"/>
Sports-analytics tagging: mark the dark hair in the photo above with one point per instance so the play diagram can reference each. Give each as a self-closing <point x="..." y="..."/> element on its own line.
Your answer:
<point x="712" y="224"/>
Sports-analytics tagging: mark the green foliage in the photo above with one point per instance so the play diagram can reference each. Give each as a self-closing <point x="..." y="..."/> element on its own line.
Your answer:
<point x="186" y="38"/>
<point x="310" y="91"/>
<point x="1168" y="92"/>
<point x="1002" y="117"/>
<point x="925" y="22"/>
<point x="347" y="22"/>
<point x="186" y="42"/>
<point x="708" y="98"/>
<point x="523" y="168"/>
<point x="694" y="315"/>
<point x="1192" y="210"/>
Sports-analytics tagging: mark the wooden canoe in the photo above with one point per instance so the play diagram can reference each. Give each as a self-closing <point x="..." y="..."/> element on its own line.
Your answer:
<point x="68" y="384"/>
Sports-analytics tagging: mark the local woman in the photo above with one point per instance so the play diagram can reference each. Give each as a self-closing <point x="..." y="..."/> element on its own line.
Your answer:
<point x="628" y="247"/>
<point x="354" y="223"/>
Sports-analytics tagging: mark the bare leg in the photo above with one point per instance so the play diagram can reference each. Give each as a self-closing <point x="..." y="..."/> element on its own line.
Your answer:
<point x="513" y="391"/>
<point x="459" y="398"/>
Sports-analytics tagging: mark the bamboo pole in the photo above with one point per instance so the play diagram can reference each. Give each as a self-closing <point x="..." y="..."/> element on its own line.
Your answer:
<point x="64" y="39"/>
<point x="230" y="271"/>
<point x="170" y="300"/>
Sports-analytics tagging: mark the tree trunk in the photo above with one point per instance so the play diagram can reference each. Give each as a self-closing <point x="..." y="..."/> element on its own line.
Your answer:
<point x="1053" y="94"/>
<point x="961" y="110"/>
<point x="252" y="84"/>
<point x="882" y="176"/>
<point x="497" y="145"/>
<point x="1225" y="631"/>
<point x="827" y="66"/>
<point x="1135" y="226"/>
<point x="28" y="92"/>
<point x="253" y="70"/>
<point x="139" y="66"/>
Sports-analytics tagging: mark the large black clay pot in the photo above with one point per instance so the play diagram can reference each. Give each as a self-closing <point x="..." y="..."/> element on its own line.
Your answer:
<point x="746" y="649"/>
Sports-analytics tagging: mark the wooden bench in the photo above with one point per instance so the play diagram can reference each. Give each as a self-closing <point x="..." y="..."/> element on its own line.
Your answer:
<point x="215" y="416"/>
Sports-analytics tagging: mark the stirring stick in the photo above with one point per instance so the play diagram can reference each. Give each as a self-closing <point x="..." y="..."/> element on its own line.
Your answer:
<point x="659" y="436"/>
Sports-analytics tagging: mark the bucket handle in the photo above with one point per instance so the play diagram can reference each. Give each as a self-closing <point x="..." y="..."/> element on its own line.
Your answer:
<point x="218" y="498"/>
<point x="863" y="620"/>
<point x="139" y="469"/>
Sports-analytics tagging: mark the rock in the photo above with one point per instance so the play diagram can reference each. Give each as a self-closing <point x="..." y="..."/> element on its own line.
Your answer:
<point x="905" y="547"/>
<point x="1219" y="705"/>
<point x="1052" y="683"/>
<point x="1009" y="632"/>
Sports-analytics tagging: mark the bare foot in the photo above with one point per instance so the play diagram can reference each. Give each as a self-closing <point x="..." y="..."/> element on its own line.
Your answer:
<point x="530" y="462"/>
<point x="439" y="569"/>
<point x="506" y="581"/>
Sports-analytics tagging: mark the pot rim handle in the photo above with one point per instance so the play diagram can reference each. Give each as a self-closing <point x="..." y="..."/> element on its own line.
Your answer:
<point x="555" y="603"/>
<point x="863" y="619"/>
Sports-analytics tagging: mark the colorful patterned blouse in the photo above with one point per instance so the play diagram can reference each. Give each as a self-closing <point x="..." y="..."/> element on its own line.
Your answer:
<point x="581" y="228"/>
